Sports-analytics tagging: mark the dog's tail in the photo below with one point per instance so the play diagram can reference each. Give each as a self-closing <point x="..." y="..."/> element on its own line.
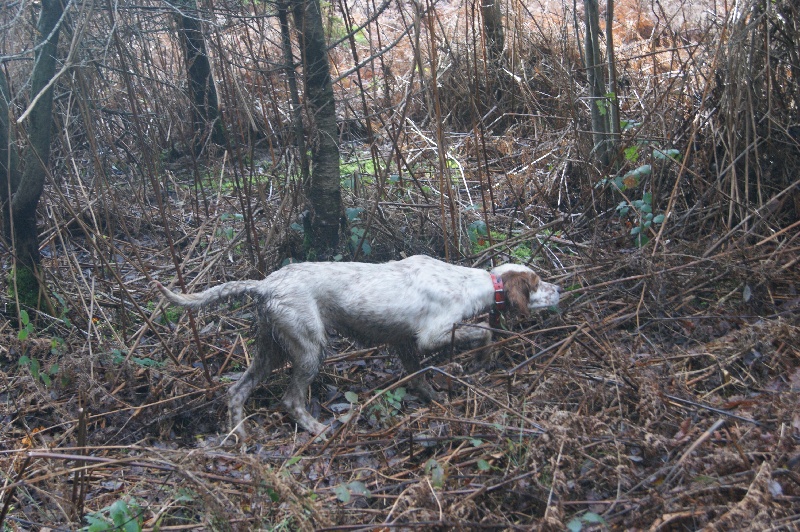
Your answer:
<point x="232" y="289"/>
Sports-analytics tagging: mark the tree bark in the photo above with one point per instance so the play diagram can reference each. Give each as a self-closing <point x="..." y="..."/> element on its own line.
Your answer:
<point x="202" y="91"/>
<point x="9" y="163"/>
<point x="294" y="93"/>
<point x="323" y="189"/>
<point x="25" y="197"/>
<point x="492" y="13"/>
<point x="614" y="126"/>
<point x="594" y="71"/>
<point x="494" y="37"/>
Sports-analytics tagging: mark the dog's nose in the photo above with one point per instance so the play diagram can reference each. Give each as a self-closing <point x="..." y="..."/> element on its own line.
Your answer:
<point x="560" y="289"/>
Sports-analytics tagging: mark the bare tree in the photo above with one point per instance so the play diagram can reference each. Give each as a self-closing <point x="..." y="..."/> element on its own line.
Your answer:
<point x="9" y="161"/>
<point x="613" y="104"/>
<point x="597" y="91"/>
<point x="323" y="189"/>
<point x="294" y="93"/>
<point x="492" y="13"/>
<point x="21" y="192"/>
<point x="203" y="93"/>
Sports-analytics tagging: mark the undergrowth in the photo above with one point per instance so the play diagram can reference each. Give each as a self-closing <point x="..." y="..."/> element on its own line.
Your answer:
<point x="661" y="393"/>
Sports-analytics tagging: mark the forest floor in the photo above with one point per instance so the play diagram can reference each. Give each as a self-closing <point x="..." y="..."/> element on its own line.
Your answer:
<point x="662" y="394"/>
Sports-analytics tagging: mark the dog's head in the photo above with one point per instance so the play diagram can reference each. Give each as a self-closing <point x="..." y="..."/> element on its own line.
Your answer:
<point x="525" y="291"/>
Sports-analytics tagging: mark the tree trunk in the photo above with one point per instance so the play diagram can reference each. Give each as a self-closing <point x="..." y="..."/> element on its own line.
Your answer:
<point x="294" y="93"/>
<point x="203" y="93"/>
<point x="9" y="163"/>
<point x="25" y="198"/>
<point x="614" y="126"/>
<point x="323" y="187"/>
<point x="492" y="13"/>
<point x="494" y="36"/>
<point x="594" y="71"/>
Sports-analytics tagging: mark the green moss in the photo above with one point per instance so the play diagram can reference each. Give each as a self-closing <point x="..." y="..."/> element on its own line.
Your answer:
<point x="27" y="286"/>
<point x="169" y="313"/>
<point x="522" y="252"/>
<point x="481" y="242"/>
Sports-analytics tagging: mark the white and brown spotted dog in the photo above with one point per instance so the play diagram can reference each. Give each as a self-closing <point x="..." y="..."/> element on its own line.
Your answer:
<point x="411" y="304"/>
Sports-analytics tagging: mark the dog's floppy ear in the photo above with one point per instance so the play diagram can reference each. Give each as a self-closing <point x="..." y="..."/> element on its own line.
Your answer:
<point x="518" y="287"/>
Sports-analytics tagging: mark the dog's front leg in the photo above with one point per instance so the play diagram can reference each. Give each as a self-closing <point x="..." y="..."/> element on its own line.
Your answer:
<point x="474" y="337"/>
<point x="465" y="337"/>
<point x="410" y="360"/>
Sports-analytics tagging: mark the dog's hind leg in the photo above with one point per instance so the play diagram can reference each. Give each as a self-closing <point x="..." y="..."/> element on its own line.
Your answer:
<point x="306" y="356"/>
<point x="300" y="331"/>
<point x="267" y="357"/>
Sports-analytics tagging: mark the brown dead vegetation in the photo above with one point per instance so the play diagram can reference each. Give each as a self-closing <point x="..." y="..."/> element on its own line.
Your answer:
<point x="661" y="395"/>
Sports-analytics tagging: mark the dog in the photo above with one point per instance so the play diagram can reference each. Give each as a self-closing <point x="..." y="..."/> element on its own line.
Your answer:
<point x="411" y="304"/>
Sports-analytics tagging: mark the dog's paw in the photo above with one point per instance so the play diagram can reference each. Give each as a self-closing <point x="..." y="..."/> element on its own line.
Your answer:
<point x="425" y="391"/>
<point x="319" y="432"/>
<point x="454" y="368"/>
<point x="483" y="359"/>
<point x="312" y="426"/>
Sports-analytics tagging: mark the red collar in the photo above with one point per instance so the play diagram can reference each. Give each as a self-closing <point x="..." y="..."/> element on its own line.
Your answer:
<point x="499" y="302"/>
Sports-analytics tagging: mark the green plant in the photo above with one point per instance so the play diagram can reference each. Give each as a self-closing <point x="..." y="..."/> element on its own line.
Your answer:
<point x="627" y="125"/>
<point x="643" y="217"/>
<point x="356" y="236"/>
<point x="478" y="237"/>
<point x="57" y="346"/>
<point x="231" y="216"/>
<point x="169" y="314"/>
<point x="631" y="153"/>
<point x="119" y="516"/>
<point x="26" y="327"/>
<point x="63" y="310"/>
<point x="388" y="405"/>
<point x="26" y="285"/>
<point x="357" y="233"/>
<point x="36" y="371"/>
<point x="484" y="466"/>
<point x="359" y="171"/>
<point x="118" y="357"/>
<point x="629" y="180"/>
<point x="226" y="232"/>
<point x="395" y="398"/>
<point x="353" y="213"/>
<point x="604" y="105"/>
<point x="522" y="252"/>
<point x="589" y="518"/>
<point x="352" y="398"/>
<point x="436" y="472"/>
<point x="639" y="211"/>
<point x="25" y="332"/>
<point x="667" y="155"/>
<point x="344" y="492"/>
